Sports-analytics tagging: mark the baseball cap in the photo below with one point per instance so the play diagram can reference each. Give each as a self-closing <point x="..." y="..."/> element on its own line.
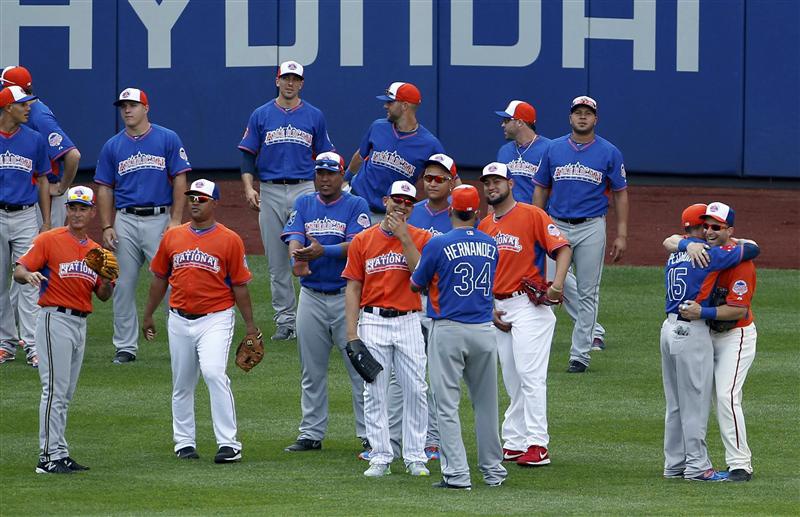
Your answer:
<point x="693" y="215"/>
<point x="720" y="212"/>
<point x="403" y="188"/>
<point x="495" y="169"/>
<point x="16" y="76"/>
<point x="583" y="100"/>
<point x="329" y="161"/>
<point x="80" y="195"/>
<point x="290" y="67"/>
<point x="444" y="161"/>
<point x="519" y="110"/>
<point x="203" y="188"/>
<point x="131" y="94"/>
<point x="14" y="95"/>
<point x="403" y="92"/>
<point x="465" y="198"/>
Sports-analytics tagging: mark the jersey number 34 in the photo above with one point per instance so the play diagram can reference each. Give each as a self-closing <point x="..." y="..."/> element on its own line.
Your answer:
<point x="469" y="281"/>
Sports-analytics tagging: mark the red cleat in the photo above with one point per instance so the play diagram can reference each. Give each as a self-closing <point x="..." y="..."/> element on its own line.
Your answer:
<point x="536" y="456"/>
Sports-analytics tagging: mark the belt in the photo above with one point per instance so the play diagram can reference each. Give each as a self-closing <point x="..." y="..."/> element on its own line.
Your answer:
<point x="287" y="182"/>
<point x="576" y="220"/>
<point x="327" y="293"/>
<point x="187" y="315"/>
<point x="508" y="295"/>
<point x="678" y="317"/>
<point x="13" y="208"/>
<point x="72" y="312"/>
<point x="386" y="313"/>
<point x="145" y="210"/>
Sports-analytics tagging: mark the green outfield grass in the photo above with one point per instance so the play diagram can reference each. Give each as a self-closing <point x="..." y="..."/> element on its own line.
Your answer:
<point x="606" y="430"/>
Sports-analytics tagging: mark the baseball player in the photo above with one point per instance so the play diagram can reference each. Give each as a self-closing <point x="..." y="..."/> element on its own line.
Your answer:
<point x="141" y="174"/>
<point x="384" y="313"/>
<point x="23" y="183"/>
<point x="393" y="149"/>
<point x="523" y="155"/>
<point x="735" y="348"/>
<point x="318" y="234"/>
<point x="571" y="182"/>
<point x="458" y="267"/>
<point x="54" y="265"/>
<point x="279" y="144"/>
<point x="687" y="354"/>
<point x="523" y="233"/>
<point x="204" y="264"/>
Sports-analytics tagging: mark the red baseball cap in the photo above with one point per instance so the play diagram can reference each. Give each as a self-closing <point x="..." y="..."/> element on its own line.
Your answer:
<point x="16" y="76"/>
<point x="465" y="198"/>
<point x="403" y="92"/>
<point x="14" y="95"/>
<point x="443" y="161"/>
<point x="693" y="215"/>
<point x="131" y="94"/>
<point x="519" y="110"/>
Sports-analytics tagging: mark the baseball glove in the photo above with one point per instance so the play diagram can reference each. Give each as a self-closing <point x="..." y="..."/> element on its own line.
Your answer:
<point x="537" y="292"/>
<point x="102" y="262"/>
<point x="718" y="297"/>
<point x="250" y="351"/>
<point x="363" y="362"/>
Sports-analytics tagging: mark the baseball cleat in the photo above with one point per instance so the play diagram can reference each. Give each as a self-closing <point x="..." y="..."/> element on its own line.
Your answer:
<point x="536" y="456"/>
<point x="187" y="453"/>
<point x="576" y="367"/>
<point x="53" y="467"/>
<point x="74" y="466"/>
<point x="511" y="455"/>
<point x="123" y="357"/>
<point x="710" y="475"/>
<point x="495" y="484"/>
<point x="598" y="345"/>
<point x="445" y="484"/>
<point x="284" y="333"/>
<point x="418" y="469"/>
<point x="377" y="470"/>
<point x="738" y="475"/>
<point x="676" y="475"/>
<point x="6" y="356"/>
<point x="304" y="444"/>
<point x="432" y="453"/>
<point x="228" y="455"/>
<point x="33" y="360"/>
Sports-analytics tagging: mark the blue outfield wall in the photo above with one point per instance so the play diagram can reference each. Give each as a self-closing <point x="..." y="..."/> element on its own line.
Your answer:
<point x="689" y="87"/>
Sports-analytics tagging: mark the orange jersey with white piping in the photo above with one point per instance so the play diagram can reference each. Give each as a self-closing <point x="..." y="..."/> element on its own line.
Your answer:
<point x="202" y="266"/>
<point x="375" y="258"/>
<point x="523" y="236"/>
<point x="59" y="255"/>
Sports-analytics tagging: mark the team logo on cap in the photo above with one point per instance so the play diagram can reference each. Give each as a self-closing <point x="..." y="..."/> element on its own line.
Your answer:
<point x="199" y="184"/>
<point x="291" y="66"/>
<point x="405" y="188"/>
<point x="54" y="139"/>
<point x="739" y="287"/>
<point x="125" y="94"/>
<point x="492" y="168"/>
<point x="438" y="157"/>
<point x="713" y="208"/>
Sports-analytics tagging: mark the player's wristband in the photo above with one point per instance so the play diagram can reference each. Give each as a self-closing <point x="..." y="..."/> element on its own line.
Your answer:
<point x="708" y="313"/>
<point x="107" y="227"/>
<point x="332" y="250"/>
<point x="683" y="244"/>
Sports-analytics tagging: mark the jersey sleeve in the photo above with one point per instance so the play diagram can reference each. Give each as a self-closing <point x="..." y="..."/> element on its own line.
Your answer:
<point x="295" y="228"/>
<point x="549" y="233"/>
<point x="354" y="270"/>
<point x="359" y="219"/>
<point x="742" y="285"/>
<point x="724" y="257"/>
<point x="250" y="139"/>
<point x="616" y="175"/>
<point x="178" y="161"/>
<point x="36" y="257"/>
<point x="426" y="267"/>
<point x="42" y="165"/>
<point x="160" y="265"/>
<point x="366" y="144"/>
<point x="322" y="141"/>
<point x="238" y="271"/>
<point x="58" y="142"/>
<point x="542" y="176"/>
<point x="105" y="173"/>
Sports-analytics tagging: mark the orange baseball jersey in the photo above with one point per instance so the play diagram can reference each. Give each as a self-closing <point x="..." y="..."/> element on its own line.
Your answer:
<point x="740" y="281"/>
<point x="376" y="259"/>
<point x="523" y="236"/>
<point x="201" y="266"/>
<point x="58" y="255"/>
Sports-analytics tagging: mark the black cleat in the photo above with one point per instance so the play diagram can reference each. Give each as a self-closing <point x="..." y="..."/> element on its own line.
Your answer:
<point x="304" y="444"/>
<point x="123" y="357"/>
<point x="445" y="484"/>
<point x="576" y="367"/>
<point x="53" y="467"/>
<point x="74" y="466"/>
<point x="737" y="475"/>
<point x="227" y="454"/>
<point x="187" y="453"/>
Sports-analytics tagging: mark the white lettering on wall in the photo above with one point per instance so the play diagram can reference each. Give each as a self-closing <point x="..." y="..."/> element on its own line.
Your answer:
<point x="159" y="19"/>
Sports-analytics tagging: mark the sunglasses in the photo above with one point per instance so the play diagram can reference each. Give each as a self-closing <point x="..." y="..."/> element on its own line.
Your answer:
<point x="715" y="227"/>
<point x="430" y="178"/>
<point x="402" y="201"/>
<point x="199" y="199"/>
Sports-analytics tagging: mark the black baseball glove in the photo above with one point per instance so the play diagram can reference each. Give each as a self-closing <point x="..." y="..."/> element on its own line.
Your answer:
<point x="718" y="297"/>
<point x="363" y="362"/>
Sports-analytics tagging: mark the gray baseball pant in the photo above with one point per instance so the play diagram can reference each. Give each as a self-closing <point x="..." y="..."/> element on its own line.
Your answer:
<point x="62" y="339"/>
<point x="687" y="367"/>
<point x="570" y="297"/>
<point x="277" y="202"/>
<point x="459" y="350"/>
<point x="324" y="326"/>
<point x="588" y="242"/>
<point x="17" y="231"/>
<point x="138" y="237"/>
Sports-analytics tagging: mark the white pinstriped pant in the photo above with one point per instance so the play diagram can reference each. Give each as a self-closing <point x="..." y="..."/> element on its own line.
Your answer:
<point x="396" y="342"/>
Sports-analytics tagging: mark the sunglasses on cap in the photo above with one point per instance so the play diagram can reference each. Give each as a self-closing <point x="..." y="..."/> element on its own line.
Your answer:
<point x="715" y="227"/>
<point x="431" y="178"/>
<point x="79" y="196"/>
<point x="402" y="200"/>
<point x="198" y="199"/>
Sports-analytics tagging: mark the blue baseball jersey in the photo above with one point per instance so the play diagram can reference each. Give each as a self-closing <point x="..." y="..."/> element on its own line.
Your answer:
<point x="42" y="120"/>
<point x="285" y="142"/>
<point x="683" y="281"/>
<point x="580" y="176"/>
<point x="435" y="223"/>
<point x="391" y="156"/>
<point x="459" y="266"/>
<point x="23" y="157"/>
<point x="331" y="224"/>
<point x="523" y="161"/>
<point x="141" y="169"/>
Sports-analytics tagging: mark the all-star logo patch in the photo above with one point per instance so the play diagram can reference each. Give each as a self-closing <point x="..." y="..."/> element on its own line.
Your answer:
<point x="54" y="139"/>
<point x="739" y="287"/>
